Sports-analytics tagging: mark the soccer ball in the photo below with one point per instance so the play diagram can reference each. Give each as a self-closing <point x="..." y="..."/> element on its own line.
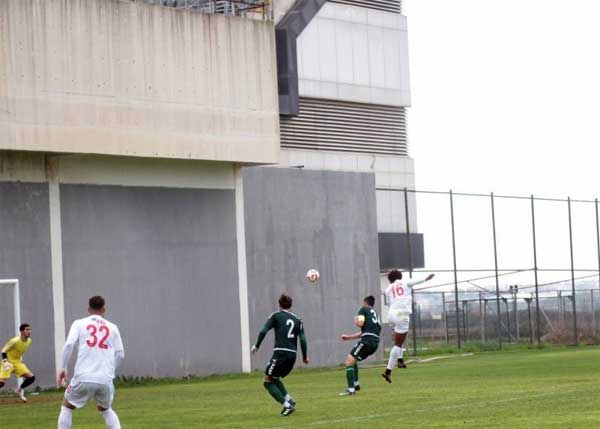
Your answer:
<point x="313" y="275"/>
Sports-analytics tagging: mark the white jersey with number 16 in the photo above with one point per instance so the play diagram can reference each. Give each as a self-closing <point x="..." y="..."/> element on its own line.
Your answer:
<point x="100" y="349"/>
<point x="399" y="295"/>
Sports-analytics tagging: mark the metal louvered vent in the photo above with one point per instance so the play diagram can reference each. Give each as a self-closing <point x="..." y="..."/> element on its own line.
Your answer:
<point x="385" y="5"/>
<point x="346" y="127"/>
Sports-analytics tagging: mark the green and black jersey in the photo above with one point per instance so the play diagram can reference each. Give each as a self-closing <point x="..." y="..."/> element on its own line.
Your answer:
<point x="287" y="328"/>
<point x="371" y="329"/>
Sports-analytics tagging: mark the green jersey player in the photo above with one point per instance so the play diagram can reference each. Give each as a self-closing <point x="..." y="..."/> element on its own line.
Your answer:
<point x="367" y="320"/>
<point x="288" y="328"/>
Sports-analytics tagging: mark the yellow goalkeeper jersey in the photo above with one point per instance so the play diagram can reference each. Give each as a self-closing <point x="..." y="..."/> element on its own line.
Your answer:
<point x="15" y="348"/>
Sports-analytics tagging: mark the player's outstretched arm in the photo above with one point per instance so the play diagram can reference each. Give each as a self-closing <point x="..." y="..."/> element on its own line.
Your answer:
<point x="418" y="282"/>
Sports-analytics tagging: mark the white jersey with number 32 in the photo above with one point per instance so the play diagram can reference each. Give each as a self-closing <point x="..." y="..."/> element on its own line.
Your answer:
<point x="399" y="295"/>
<point x="99" y="349"/>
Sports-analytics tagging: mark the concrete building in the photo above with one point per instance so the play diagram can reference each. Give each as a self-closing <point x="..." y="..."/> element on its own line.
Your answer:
<point x="150" y="154"/>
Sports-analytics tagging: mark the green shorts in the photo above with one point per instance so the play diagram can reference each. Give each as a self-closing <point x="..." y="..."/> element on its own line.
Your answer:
<point x="364" y="349"/>
<point x="281" y="364"/>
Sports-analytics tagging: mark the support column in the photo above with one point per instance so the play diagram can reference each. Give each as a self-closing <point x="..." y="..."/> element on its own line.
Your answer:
<point x="242" y="270"/>
<point x="58" y="289"/>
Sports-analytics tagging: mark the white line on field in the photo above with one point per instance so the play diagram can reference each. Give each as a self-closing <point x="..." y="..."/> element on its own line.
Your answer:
<point x="428" y="410"/>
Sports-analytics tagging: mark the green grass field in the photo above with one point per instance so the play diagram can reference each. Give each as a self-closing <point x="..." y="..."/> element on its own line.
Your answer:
<point x="549" y="388"/>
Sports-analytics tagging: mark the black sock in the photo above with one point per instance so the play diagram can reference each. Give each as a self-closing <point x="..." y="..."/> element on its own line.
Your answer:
<point x="388" y="371"/>
<point x="28" y="382"/>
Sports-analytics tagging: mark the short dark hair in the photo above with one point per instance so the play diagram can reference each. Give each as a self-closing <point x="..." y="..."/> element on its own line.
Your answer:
<point x="24" y="326"/>
<point x="394" y="275"/>
<point x="370" y="300"/>
<point x="285" y="301"/>
<point x="97" y="302"/>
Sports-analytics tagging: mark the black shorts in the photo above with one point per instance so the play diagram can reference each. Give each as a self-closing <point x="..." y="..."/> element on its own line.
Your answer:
<point x="363" y="350"/>
<point x="281" y="364"/>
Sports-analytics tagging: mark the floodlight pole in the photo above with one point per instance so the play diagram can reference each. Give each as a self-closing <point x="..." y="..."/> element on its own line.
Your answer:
<point x="572" y="274"/>
<point x="410" y="270"/>
<point x="498" y="331"/>
<point x="535" y="272"/>
<point x="455" y="273"/>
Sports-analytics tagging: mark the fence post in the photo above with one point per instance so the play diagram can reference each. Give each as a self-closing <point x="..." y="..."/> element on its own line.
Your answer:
<point x="535" y="272"/>
<point x="597" y="239"/>
<point x="516" y="311"/>
<point x="455" y="273"/>
<point x="593" y="311"/>
<point x="528" y="301"/>
<point x="498" y="330"/>
<point x="574" y="297"/>
<point x="481" y="322"/>
<point x="410" y="269"/>
<point x="445" y="315"/>
<point x="484" y="320"/>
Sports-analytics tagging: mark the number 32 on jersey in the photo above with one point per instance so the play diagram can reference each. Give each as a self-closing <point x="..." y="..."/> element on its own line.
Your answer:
<point x="98" y="336"/>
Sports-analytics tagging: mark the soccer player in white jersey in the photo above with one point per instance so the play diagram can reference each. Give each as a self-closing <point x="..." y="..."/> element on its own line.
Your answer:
<point x="399" y="298"/>
<point x="100" y="351"/>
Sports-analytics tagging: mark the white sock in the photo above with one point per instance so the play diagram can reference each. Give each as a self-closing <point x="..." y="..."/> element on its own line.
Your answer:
<point x="351" y="389"/>
<point x="111" y="419"/>
<point x="394" y="353"/>
<point x="288" y="397"/>
<point x="286" y="404"/>
<point x="356" y="383"/>
<point x="65" y="418"/>
<point x="401" y="354"/>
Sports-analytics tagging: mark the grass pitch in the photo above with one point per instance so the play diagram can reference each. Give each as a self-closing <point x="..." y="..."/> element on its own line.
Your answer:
<point x="548" y="388"/>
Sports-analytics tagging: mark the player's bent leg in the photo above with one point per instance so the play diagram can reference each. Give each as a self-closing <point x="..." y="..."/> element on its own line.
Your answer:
<point x="395" y="355"/>
<point x="273" y="390"/>
<point x="29" y="379"/>
<point x="350" y="363"/>
<point x="65" y="418"/>
<point x="110" y="418"/>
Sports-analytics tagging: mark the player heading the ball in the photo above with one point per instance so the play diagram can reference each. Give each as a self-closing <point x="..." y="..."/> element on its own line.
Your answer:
<point x="399" y="298"/>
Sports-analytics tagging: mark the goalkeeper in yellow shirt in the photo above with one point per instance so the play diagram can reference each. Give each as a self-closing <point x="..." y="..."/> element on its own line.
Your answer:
<point x="12" y="353"/>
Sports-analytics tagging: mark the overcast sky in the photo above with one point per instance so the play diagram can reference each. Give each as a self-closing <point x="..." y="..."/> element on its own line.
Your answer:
<point x="505" y="95"/>
<point x="505" y="98"/>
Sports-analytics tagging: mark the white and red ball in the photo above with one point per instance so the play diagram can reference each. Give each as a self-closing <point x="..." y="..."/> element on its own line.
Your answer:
<point x="313" y="275"/>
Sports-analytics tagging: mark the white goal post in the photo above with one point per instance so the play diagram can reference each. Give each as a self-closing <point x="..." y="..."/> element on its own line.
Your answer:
<point x="16" y="300"/>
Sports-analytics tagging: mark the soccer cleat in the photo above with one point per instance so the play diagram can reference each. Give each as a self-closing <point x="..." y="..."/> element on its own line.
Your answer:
<point x="21" y="394"/>
<point x="356" y="387"/>
<point x="287" y="411"/>
<point x="401" y="363"/>
<point x="348" y="392"/>
<point x="292" y="403"/>
<point x="388" y="377"/>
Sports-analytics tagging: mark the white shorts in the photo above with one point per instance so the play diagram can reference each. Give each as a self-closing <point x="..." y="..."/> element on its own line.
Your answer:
<point x="399" y="320"/>
<point x="78" y="394"/>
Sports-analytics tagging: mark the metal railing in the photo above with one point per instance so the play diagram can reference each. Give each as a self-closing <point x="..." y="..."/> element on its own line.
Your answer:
<point x="257" y="9"/>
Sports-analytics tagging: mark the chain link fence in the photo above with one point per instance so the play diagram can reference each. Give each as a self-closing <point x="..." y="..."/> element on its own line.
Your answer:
<point x="509" y="269"/>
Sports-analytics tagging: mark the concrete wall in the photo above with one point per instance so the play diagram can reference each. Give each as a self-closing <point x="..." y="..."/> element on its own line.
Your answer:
<point x="355" y="54"/>
<point x="165" y="259"/>
<point x="301" y="219"/>
<point x="127" y="78"/>
<point x="390" y="172"/>
<point x="25" y="255"/>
